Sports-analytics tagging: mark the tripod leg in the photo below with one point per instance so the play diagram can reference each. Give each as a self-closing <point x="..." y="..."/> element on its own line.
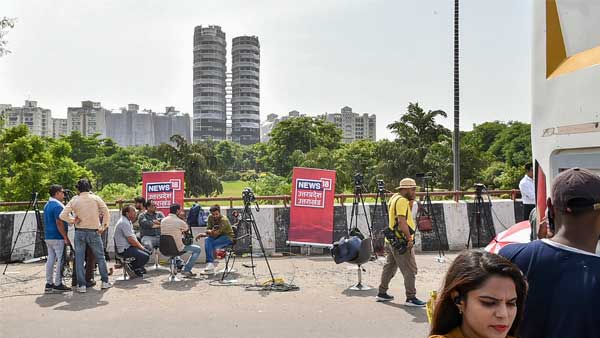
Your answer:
<point x="262" y="248"/>
<point x="12" y="250"/>
<point x="362" y="200"/>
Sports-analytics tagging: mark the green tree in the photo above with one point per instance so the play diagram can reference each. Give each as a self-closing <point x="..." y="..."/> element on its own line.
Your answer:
<point x="299" y="134"/>
<point x="116" y="168"/>
<point x="31" y="163"/>
<point x="88" y="147"/>
<point x="199" y="162"/>
<point x="119" y="191"/>
<point x="269" y="184"/>
<point x="416" y="132"/>
<point x="229" y="155"/>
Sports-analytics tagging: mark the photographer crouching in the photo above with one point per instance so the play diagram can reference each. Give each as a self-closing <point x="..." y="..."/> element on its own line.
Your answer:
<point x="399" y="243"/>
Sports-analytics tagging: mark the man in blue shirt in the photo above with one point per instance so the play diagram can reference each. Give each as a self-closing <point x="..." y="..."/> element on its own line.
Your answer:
<point x="564" y="272"/>
<point x="56" y="239"/>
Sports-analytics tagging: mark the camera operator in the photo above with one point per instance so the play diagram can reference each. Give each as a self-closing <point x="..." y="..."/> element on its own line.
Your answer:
<point x="174" y="226"/>
<point x="402" y="224"/>
<point x="219" y="234"/>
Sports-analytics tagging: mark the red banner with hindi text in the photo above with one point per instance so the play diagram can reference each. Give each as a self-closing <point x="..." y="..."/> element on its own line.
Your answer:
<point x="164" y="187"/>
<point x="311" y="213"/>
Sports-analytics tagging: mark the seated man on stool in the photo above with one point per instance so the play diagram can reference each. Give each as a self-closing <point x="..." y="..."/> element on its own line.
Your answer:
<point x="174" y="226"/>
<point x="150" y="226"/>
<point x="127" y="244"/>
<point x="219" y="234"/>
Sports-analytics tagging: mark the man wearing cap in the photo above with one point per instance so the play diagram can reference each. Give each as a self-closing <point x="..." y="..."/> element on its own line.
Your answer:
<point x="403" y="224"/>
<point x="564" y="272"/>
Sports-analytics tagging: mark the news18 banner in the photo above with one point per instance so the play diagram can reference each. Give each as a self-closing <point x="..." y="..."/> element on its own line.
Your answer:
<point x="164" y="188"/>
<point x="311" y="213"/>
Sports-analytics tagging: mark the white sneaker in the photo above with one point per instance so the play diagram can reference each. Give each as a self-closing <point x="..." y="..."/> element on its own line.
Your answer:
<point x="81" y="289"/>
<point x="106" y="285"/>
<point x="210" y="268"/>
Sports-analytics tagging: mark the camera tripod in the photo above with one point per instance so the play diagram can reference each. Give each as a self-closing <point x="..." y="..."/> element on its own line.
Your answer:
<point x="380" y="201"/>
<point x="428" y="208"/>
<point x="33" y="205"/>
<point x="250" y="222"/>
<point x="477" y="217"/>
<point x="358" y="198"/>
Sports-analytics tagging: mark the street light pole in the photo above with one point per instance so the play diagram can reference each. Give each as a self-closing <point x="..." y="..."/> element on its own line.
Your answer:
<point x="456" y="133"/>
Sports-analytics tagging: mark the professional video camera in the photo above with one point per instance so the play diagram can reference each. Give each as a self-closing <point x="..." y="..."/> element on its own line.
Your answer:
<point x="426" y="176"/>
<point x="380" y="186"/>
<point x="479" y="188"/>
<point x="248" y="196"/>
<point x="358" y="179"/>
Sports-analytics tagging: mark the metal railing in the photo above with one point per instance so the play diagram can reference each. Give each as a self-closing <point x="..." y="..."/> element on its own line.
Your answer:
<point x="341" y="198"/>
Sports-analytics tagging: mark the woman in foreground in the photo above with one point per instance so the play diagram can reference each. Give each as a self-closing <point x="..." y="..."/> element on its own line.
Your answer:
<point x="483" y="297"/>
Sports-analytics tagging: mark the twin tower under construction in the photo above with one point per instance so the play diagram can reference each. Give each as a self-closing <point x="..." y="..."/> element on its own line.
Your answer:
<point x="219" y="94"/>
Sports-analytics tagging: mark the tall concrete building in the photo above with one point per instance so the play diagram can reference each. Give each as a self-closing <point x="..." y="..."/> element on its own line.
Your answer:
<point x="354" y="126"/>
<point x="210" y="58"/>
<point x="88" y="119"/>
<point x="172" y="122"/>
<point x="59" y="127"/>
<point x="132" y="127"/>
<point x="37" y="119"/>
<point x="245" y="98"/>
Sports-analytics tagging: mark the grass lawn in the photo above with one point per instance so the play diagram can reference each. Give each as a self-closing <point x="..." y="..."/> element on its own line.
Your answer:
<point x="233" y="188"/>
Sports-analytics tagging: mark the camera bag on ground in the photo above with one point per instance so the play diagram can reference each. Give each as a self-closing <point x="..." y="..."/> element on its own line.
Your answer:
<point x="346" y="249"/>
<point x="424" y="223"/>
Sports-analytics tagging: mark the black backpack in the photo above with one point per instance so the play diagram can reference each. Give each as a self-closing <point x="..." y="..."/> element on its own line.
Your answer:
<point x="192" y="217"/>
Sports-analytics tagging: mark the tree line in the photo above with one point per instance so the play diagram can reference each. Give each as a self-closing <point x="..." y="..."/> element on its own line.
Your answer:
<point x="493" y="153"/>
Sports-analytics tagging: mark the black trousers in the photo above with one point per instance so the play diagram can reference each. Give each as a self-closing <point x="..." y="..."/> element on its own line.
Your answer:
<point x="527" y="210"/>
<point x="141" y="257"/>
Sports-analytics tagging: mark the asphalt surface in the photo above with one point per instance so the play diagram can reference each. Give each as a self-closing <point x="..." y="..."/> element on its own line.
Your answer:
<point x="150" y="307"/>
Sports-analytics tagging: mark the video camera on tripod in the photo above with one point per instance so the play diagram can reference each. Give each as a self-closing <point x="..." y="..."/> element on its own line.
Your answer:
<point x="248" y="196"/>
<point x="480" y="188"/>
<point x="358" y="179"/>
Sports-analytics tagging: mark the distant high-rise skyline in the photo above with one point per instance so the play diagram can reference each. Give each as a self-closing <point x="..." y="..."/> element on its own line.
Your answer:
<point x="215" y="95"/>
<point x="210" y="67"/>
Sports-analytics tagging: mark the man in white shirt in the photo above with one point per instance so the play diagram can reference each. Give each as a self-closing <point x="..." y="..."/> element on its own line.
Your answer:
<point x="527" y="191"/>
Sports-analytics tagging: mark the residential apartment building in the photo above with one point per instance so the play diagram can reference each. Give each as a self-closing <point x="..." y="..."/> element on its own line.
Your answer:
<point x="88" y="119"/>
<point x="59" y="127"/>
<point x="132" y="127"/>
<point x="354" y="126"/>
<point x="37" y="119"/>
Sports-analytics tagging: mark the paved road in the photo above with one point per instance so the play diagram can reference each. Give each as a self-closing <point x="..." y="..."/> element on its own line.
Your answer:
<point x="193" y="308"/>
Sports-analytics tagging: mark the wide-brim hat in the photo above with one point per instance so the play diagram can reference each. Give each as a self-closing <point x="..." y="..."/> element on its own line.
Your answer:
<point x="407" y="183"/>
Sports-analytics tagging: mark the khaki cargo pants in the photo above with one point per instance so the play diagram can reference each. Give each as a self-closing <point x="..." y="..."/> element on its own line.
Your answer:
<point x="407" y="265"/>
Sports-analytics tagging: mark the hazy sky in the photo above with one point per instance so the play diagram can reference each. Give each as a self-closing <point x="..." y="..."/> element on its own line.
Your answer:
<point x="317" y="56"/>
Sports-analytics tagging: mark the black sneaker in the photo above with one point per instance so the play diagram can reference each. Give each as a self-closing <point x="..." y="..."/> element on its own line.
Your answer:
<point x="48" y="288"/>
<point x="90" y="284"/>
<point x="384" y="297"/>
<point x="62" y="288"/>
<point x="415" y="302"/>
